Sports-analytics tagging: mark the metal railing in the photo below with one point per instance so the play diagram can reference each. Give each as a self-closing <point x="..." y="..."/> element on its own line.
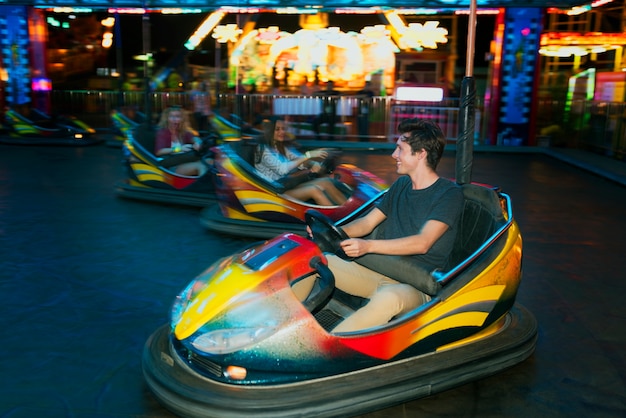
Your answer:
<point x="379" y="124"/>
<point x="595" y="126"/>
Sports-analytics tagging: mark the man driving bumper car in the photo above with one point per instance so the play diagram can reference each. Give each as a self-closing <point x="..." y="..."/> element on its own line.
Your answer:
<point x="418" y="217"/>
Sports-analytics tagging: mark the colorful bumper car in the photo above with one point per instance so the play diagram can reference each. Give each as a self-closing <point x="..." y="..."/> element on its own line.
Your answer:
<point x="124" y="121"/>
<point x="233" y="128"/>
<point x="154" y="179"/>
<point x="38" y="128"/>
<point x="250" y="205"/>
<point x="240" y="343"/>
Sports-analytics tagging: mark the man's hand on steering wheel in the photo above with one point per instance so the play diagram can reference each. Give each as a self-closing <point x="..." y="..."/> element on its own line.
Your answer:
<point x="325" y="233"/>
<point x="355" y="247"/>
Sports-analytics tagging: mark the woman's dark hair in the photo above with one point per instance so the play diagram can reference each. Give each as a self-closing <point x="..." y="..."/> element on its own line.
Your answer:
<point x="424" y="135"/>
<point x="269" y="126"/>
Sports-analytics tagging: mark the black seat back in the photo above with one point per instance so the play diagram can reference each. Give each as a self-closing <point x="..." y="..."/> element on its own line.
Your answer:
<point x="246" y="149"/>
<point x="481" y="216"/>
<point x="145" y="135"/>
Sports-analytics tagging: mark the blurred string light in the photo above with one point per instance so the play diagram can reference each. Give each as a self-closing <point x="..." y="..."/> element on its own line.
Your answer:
<point x="417" y="11"/>
<point x="428" y="35"/>
<point x="312" y="46"/>
<point x="269" y="35"/>
<point x="239" y="10"/>
<point x="312" y="43"/>
<point x="565" y="44"/>
<point x="180" y="11"/>
<point x="357" y="11"/>
<point x="204" y="29"/>
<point x="53" y="22"/>
<point x="238" y="52"/>
<point x="164" y="11"/>
<point x="563" y="51"/>
<point x="298" y="10"/>
<point x="577" y="10"/>
<point x="311" y="49"/>
<point x="374" y="34"/>
<point x="71" y="10"/>
<point x="416" y="35"/>
<point x="413" y="36"/>
<point x="226" y="33"/>
<point x="479" y="12"/>
<point x="109" y="22"/>
<point x="127" y="10"/>
<point x="107" y="36"/>
<point x="107" y="40"/>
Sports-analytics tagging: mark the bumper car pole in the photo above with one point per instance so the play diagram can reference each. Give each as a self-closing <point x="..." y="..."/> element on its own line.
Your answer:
<point x="467" y="109"/>
<point x="145" y="23"/>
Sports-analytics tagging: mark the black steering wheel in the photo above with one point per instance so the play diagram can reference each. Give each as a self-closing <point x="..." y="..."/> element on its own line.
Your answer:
<point x="206" y="143"/>
<point x="322" y="289"/>
<point x="326" y="234"/>
<point x="329" y="163"/>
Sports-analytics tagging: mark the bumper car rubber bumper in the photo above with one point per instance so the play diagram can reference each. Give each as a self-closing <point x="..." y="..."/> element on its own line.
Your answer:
<point x="189" y="394"/>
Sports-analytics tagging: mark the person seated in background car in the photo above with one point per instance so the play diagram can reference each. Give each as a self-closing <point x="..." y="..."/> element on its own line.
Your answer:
<point x="276" y="161"/>
<point x="174" y="136"/>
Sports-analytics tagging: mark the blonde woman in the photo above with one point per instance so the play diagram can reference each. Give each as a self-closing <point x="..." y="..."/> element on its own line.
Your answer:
<point x="175" y="136"/>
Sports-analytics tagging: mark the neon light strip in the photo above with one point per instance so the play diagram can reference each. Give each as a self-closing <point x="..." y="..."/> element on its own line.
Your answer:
<point x="204" y="29"/>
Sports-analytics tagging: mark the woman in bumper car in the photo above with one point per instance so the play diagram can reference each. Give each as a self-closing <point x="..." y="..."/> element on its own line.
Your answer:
<point x="175" y="137"/>
<point x="298" y="172"/>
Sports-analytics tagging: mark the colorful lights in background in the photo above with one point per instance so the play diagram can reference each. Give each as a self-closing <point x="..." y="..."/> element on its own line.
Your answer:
<point x="565" y="44"/>
<point x="317" y="52"/>
<point x="14" y="48"/>
<point x="204" y="29"/>
<point x="419" y="94"/>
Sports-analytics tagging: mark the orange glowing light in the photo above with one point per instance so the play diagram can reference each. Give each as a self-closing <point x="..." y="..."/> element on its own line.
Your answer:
<point x="374" y="34"/>
<point x="226" y="33"/>
<point x="563" y="44"/>
<point x="109" y="22"/>
<point x="107" y="40"/>
<point x="428" y="35"/>
<point x="416" y="35"/>
<point x="236" y="372"/>
<point x="203" y="30"/>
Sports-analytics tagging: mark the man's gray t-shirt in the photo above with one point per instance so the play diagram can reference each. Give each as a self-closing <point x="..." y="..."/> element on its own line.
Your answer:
<point x="407" y="211"/>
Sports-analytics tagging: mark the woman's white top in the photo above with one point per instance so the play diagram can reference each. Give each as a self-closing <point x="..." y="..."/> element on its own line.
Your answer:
<point x="274" y="165"/>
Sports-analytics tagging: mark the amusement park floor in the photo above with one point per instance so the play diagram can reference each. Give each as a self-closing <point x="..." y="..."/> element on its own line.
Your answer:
<point x="86" y="277"/>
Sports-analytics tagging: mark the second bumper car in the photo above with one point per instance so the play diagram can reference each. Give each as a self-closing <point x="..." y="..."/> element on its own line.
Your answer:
<point x="152" y="178"/>
<point x="231" y="130"/>
<point x="124" y="121"/>
<point x="34" y="127"/>
<point x="251" y="206"/>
